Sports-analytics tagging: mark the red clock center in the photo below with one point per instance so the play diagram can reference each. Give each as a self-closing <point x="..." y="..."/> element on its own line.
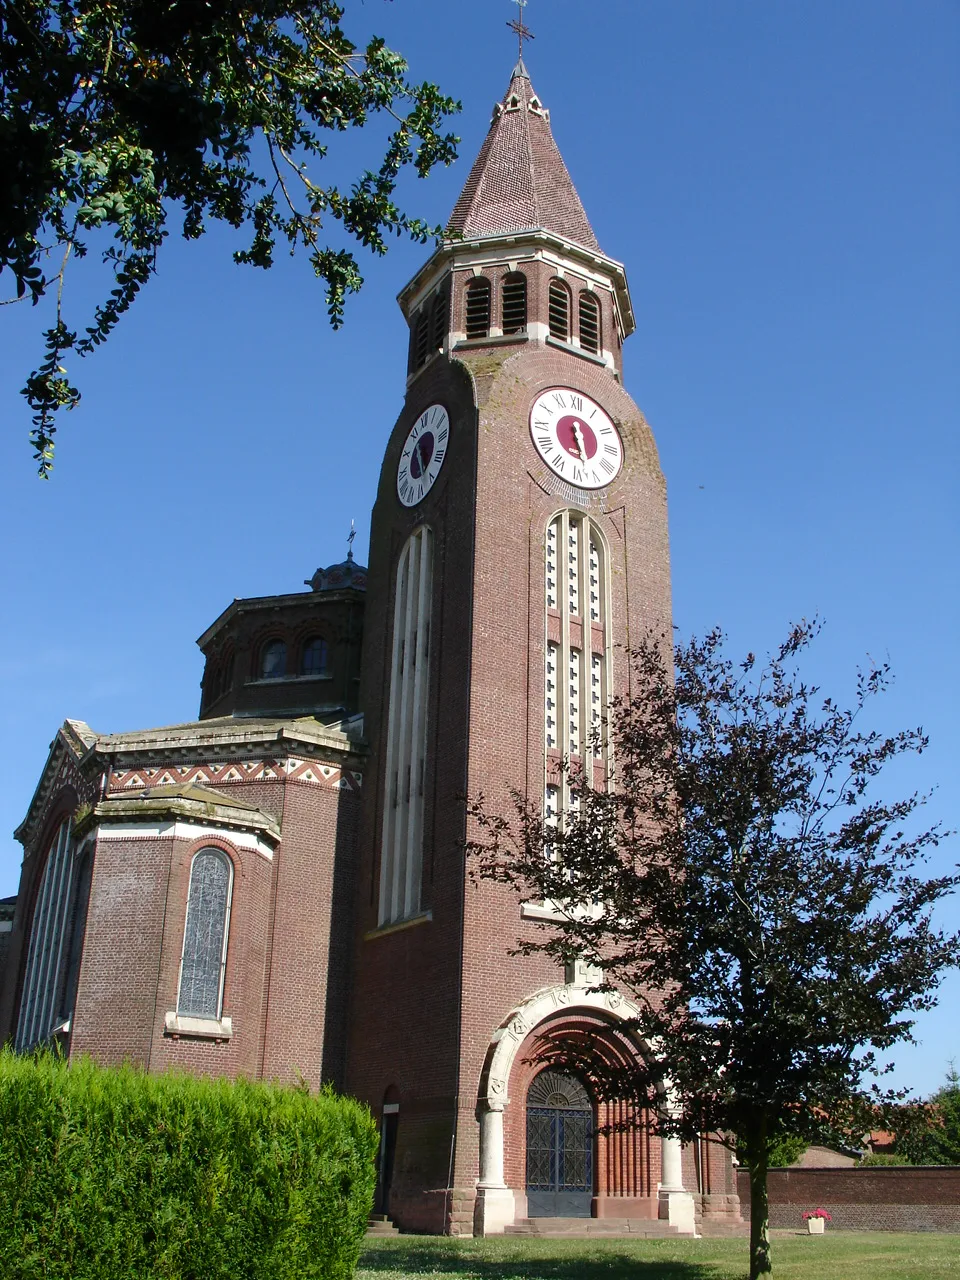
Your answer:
<point x="570" y="431"/>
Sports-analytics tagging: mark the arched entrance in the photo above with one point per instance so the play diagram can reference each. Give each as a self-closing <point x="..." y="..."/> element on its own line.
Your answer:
<point x="560" y="1129"/>
<point x="633" y="1173"/>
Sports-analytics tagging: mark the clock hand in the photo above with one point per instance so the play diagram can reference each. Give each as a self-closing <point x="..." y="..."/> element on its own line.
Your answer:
<point x="580" y="444"/>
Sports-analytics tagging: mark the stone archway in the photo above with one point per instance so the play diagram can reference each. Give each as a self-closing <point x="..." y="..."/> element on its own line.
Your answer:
<point x="498" y="1200"/>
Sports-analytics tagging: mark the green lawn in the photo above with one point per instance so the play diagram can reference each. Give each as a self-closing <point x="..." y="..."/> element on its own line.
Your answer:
<point x="847" y="1255"/>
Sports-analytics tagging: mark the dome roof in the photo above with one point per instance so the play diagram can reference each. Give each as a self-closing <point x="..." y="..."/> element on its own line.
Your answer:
<point x="340" y="576"/>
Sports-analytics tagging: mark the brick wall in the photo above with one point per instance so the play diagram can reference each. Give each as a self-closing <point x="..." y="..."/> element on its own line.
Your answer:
<point x="895" y="1198"/>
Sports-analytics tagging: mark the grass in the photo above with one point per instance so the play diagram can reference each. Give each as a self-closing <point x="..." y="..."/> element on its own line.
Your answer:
<point x="847" y="1255"/>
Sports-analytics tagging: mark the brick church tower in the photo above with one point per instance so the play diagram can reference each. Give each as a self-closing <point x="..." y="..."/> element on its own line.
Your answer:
<point x="278" y="889"/>
<point x="519" y="542"/>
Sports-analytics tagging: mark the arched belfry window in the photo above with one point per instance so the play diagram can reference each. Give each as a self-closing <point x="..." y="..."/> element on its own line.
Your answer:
<point x="576" y="681"/>
<point x="478" y="308"/>
<point x="590" y="323"/>
<point x="49" y="941"/>
<point x="515" y="303"/>
<point x="401" y="860"/>
<point x="559" y="311"/>
<point x="205" y="935"/>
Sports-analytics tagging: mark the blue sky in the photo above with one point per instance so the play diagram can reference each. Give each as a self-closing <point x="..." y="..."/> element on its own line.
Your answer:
<point x="782" y="183"/>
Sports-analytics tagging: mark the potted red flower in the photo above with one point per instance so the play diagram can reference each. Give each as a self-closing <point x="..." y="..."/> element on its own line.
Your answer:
<point x="816" y="1220"/>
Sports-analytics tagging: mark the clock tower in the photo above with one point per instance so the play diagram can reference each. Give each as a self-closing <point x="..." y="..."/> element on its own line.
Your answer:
<point x="518" y="548"/>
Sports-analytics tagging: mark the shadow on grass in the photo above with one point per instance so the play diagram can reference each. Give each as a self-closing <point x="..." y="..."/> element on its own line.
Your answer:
<point x="431" y="1259"/>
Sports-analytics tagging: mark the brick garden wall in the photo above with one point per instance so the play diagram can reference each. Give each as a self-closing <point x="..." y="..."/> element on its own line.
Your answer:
<point x="896" y="1198"/>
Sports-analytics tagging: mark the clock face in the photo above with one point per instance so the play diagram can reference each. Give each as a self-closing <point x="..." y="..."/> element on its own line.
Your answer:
<point x="576" y="438"/>
<point x="422" y="456"/>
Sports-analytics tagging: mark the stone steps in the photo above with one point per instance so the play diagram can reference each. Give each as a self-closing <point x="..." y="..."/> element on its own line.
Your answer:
<point x="649" y="1228"/>
<point x="378" y="1224"/>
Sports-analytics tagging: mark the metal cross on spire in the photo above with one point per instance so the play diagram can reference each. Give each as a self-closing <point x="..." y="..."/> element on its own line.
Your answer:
<point x="518" y="25"/>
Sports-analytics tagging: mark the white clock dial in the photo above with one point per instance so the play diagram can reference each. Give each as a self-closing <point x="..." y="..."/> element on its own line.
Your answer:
<point x="576" y="438"/>
<point x="422" y="456"/>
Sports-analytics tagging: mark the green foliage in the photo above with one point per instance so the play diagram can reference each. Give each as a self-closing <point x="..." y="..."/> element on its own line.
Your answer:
<point x="108" y="1174"/>
<point x="929" y="1132"/>
<point x="114" y="115"/>
<point x="877" y="1159"/>
<point x="782" y="1151"/>
<point x="762" y="906"/>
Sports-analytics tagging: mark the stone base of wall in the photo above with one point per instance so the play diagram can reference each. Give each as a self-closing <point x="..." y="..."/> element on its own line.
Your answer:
<point x="718" y="1209"/>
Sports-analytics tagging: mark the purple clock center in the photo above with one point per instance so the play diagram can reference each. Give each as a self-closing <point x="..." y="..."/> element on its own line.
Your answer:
<point x="567" y="429"/>
<point x="422" y="454"/>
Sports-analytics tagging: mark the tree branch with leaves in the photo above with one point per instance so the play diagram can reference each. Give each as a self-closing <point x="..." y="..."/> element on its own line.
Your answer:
<point x="114" y="116"/>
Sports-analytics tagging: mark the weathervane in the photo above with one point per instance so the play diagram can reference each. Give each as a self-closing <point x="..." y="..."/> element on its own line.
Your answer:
<point x="350" y="537"/>
<point x="523" y="31"/>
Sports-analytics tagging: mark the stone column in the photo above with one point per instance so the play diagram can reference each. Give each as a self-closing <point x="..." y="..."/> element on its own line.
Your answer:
<point x="495" y="1207"/>
<point x="676" y="1205"/>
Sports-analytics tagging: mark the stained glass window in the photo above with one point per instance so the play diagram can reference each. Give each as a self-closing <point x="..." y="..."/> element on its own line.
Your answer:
<point x="205" y="935"/>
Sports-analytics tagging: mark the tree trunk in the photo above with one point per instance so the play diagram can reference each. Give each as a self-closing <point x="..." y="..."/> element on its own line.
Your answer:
<point x="759" y="1221"/>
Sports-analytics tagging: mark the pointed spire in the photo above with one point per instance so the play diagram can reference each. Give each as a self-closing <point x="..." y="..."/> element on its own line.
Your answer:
<point x="519" y="181"/>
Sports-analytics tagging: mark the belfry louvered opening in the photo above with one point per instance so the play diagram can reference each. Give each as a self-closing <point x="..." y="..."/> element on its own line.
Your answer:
<point x="576" y="693"/>
<point x="401" y="859"/>
<point x="589" y="323"/>
<point x="515" y="303"/>
<point x="439" y="315"/>
<point x="559" y="311"/>
<point x="478" y="308"/>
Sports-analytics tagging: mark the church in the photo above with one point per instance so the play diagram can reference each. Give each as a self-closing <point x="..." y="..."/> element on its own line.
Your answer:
<point x="277" y="890"/>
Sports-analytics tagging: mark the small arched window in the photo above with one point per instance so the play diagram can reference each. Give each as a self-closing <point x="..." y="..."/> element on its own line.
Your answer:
<point x="273" y="660"/>
<point x="225" y="679"/>
<point x="205" y="935"/>
<point x="313" y="658"/>
<point x="478" y="308"/>
<point x="514" y="302"/>
<point x="559" y="311"/>
<point x="589" y="323"/>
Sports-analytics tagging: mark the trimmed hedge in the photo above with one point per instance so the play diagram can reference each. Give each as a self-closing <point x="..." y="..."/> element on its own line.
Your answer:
<point x="111" y="1174"/>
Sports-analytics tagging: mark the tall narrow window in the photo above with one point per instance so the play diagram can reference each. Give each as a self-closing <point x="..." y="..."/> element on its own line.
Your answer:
<point x="515" y="303"/>
<point x="576" y="691"/>
<point x="48" y="939"/>
<point x="589" y="323"/>
<point x="401" y="860"/>
<point x="559" y="311"/>
<point x="478" y="308"/>
<point x="205" y="935"/>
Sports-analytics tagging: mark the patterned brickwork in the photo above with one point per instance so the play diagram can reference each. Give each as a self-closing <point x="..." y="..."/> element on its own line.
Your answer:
<point x="317" y="773"/>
